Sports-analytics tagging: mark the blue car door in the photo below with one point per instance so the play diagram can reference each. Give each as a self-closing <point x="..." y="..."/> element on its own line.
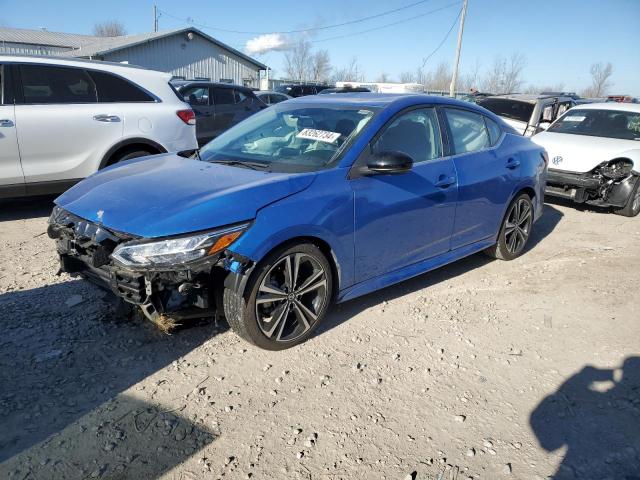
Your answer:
<point x="488" y="171"/>
<point x="401" y="219"/>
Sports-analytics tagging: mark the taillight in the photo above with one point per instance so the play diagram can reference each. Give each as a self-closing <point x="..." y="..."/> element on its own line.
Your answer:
<point x="187" y="116"/>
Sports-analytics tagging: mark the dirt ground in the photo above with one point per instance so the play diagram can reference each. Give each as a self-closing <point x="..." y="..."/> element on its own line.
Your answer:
<point x="483" y="369"/>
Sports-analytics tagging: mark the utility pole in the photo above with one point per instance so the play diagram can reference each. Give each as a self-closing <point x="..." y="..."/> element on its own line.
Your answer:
<point x="454" y="77"/>
<point x="155" y="17"/>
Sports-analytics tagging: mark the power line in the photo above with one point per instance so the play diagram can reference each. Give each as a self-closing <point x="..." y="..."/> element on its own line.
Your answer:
<point x="455" y="21"/>
<point x="310" y="29"/>
<point x="389" y="25"/>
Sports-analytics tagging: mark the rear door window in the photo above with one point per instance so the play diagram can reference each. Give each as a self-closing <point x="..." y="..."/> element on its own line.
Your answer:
<point x="467" y="131"/>
<point x="113" y="89"/>
<point x="196" y="96"/>
<point x="240" y="96"/>
<point x="223" y="96"/>
<point x="44" y="84"/>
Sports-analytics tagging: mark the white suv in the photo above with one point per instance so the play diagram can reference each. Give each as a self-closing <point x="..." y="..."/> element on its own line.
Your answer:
<point x="62" y="120"/>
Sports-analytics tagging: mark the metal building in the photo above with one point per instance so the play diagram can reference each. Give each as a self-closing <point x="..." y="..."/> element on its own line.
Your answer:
<point x="184" y="52"/>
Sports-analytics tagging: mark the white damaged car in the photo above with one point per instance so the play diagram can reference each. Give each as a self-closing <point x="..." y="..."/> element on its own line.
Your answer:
<point x="594" y="153"/>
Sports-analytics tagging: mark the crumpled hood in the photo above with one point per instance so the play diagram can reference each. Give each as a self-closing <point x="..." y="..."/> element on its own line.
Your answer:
<point x="582" y="153"/>
<point x="169" y="195"/>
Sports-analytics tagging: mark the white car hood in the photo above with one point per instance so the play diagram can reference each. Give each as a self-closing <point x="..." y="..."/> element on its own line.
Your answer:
<point x="582" y="153"/>
<point x="518" y="125"/>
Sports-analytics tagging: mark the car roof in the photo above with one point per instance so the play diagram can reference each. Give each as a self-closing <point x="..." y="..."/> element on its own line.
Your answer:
<point x="184" y="83"/>
<point x="621" y="107"/>
<point x="527" y="97"/>
<point x="73" y="62"/>
<point x="383" y="100"/>
<point x="261" y="92"/>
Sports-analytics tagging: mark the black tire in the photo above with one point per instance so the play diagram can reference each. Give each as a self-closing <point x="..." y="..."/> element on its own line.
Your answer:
<point x="632" y="208"/>
<point x="128" y="155"/>
<point x="514" y="235"/>
<point x="248" y="315"/>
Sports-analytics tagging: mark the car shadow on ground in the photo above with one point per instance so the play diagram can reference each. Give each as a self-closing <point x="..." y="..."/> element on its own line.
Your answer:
<point x="24" y="208"/>
<point x="595" y="416"/>
<point x="581" y="207"/>
<point x="344" y="311"/>
<point x="66" y="349"/>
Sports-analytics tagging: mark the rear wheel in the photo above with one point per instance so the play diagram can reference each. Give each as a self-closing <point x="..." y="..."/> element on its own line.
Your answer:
<point x="285" y="299"/>
<point x="632" y="208"/>
<point x="128" y="155"/>
<point x="515" y="231"/>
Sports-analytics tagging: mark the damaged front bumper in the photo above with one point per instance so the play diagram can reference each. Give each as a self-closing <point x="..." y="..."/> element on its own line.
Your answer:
<point x="594" y="188"/>
<point x="182" y="291"/>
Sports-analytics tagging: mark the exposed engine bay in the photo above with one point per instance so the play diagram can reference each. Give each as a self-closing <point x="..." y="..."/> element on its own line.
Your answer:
<point x="166" y="297"/>
<point x="609" y="184"/>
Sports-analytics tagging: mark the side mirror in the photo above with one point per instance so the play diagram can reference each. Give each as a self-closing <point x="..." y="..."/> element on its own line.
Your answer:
<point x="390" y="162"/>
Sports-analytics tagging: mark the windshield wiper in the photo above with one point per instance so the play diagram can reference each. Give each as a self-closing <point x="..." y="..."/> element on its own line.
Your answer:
<point x="243" y="163"/>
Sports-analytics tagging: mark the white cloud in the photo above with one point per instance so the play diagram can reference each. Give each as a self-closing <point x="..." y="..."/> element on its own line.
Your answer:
<point x="267" y="43"/>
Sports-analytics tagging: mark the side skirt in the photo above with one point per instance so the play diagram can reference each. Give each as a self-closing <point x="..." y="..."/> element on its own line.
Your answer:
<point x="411" y="271"/>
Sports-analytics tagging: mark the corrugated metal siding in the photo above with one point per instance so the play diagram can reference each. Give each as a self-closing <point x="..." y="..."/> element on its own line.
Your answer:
<point x="189" y="59"/>
<point x="30" y="49"/>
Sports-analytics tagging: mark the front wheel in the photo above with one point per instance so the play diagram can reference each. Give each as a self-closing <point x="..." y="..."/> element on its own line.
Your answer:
<point x="285" y="299"/>
<point x="632" y="208"/>
<point x="515" y="231"/>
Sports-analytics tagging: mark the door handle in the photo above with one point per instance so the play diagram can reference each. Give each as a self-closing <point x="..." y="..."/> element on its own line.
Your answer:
<point x="445" y="182"/>
<point x="513" y="163"/>
<point x="106" y="118"/>
<point x="6" y="123"/>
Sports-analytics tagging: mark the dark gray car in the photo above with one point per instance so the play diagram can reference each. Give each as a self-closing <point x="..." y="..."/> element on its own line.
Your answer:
<point x="218" y="106"/>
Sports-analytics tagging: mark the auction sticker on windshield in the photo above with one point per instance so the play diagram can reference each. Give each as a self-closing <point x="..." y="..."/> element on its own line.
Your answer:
<point x="320" y="135"/>
<point x="574" y="118"/>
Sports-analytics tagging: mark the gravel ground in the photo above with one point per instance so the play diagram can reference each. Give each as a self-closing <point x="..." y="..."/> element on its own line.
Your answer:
<point x="483" y="369"/>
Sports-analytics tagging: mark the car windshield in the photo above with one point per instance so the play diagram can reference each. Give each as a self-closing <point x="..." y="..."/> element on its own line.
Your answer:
<point x="289" y="137"/>
<point x="599" y="123"/>
<point x="504" y="107"/>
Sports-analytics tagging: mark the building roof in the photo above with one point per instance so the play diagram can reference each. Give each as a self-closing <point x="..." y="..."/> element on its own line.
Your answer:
<point x="88" y="46"/>
<point x="44" y="37"/>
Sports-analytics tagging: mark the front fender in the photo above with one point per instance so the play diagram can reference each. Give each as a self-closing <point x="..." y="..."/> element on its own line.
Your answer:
<point x="324" y="211"/>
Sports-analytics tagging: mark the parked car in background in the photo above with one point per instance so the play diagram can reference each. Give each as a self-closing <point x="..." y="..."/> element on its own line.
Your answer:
<point x="344" y="90"/>
<point x="622" y="99"/>
<point x="269" y="97"/>
<point x="595" y="156"/>
<point x="301" y="90"/>
<point x="528" y="114"/>
<point x="217" y="106"/>
<point x="315" y="200"/>
<point x="63" y="120"/>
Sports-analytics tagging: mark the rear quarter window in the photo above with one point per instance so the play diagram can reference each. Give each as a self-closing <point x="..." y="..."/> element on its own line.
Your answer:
<point x="113" y="89"/>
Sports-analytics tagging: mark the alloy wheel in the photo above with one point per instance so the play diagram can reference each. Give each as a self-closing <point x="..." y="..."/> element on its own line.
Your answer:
<point x="518" y="226"/>
<point x="291" y="295"/>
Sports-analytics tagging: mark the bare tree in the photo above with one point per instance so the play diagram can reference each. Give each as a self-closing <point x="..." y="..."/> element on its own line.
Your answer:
<point x="384" y="78"/>
<point x="600" y="83"/>
<point x="320" y="66"/>
<point x="298" y="61"/>
<point x="505" y="75"/>
<point x="110" y="28"/>
<point x="407" y="77"/>
<point x="349" y="73"/>
<point x="440" y="78"/>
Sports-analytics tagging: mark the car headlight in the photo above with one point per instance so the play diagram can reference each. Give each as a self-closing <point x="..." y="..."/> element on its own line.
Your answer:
<point x="178" y="250"/>
<point x="617" y="169"/>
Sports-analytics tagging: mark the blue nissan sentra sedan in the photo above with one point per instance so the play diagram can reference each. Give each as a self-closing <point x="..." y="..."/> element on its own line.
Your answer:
<point x="315" y="200"/>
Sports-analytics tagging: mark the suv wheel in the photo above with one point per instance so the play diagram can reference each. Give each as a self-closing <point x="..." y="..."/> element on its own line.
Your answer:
<point x="285" y="299"/>
<point x="515" y="230"/>
<point x="128" y="155"/>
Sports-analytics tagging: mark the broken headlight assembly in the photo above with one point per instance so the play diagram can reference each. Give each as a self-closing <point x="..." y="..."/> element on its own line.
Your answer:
<point x="616" y="169"/>
<point x="179" y="250"/>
